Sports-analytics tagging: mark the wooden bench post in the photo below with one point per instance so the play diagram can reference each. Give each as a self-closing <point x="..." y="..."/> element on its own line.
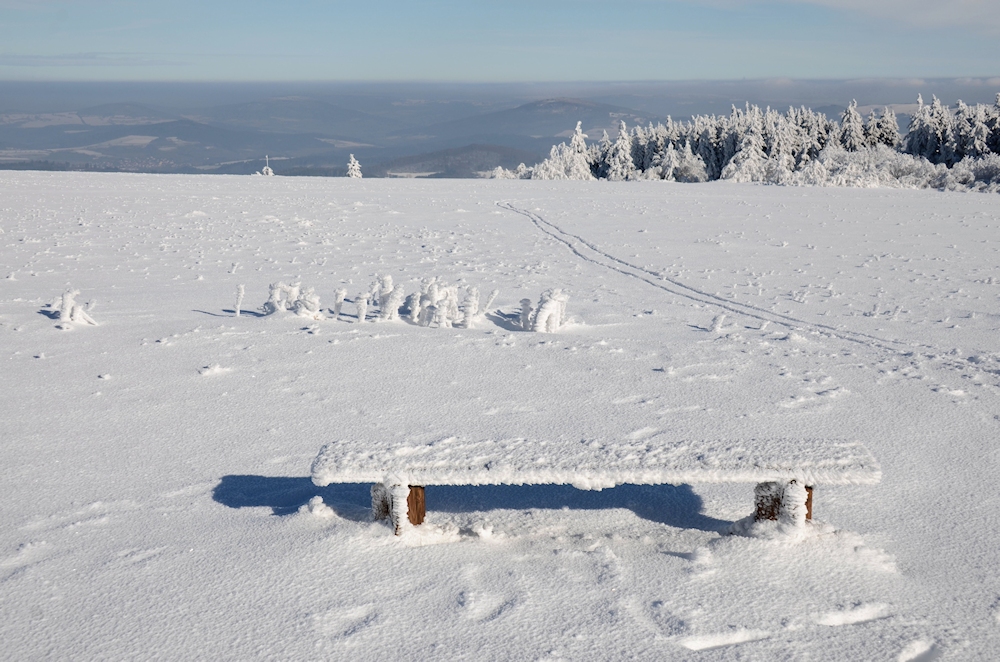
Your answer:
<point x="398" y="503"/>
<point x="767" y="499"/>
<point x="771" y="503"/>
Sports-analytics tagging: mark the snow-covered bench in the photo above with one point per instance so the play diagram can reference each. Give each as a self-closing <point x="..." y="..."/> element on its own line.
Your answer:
<point x="784" y="470"/>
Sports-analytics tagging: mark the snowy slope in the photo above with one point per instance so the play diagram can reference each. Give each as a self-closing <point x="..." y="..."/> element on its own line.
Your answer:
<point x="157" y="464"/>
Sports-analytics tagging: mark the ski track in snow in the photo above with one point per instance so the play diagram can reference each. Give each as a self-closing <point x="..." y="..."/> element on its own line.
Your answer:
<point x="593" y="254"/>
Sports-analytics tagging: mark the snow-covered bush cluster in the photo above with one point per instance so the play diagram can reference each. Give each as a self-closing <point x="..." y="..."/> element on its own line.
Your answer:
<point x="302" y="302"/>
<point x="445" y="306"/>
<point x="942" y="149"/>
<point x="70" y="312"/>
<point x="433" y="304"/>
<point x="548" y="315"/>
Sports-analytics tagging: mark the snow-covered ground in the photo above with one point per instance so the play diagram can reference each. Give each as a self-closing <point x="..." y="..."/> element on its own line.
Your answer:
<point x="156" y="466"/>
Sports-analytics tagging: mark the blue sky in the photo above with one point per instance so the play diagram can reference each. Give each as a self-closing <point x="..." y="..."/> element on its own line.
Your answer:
<point x="488" y="41"/>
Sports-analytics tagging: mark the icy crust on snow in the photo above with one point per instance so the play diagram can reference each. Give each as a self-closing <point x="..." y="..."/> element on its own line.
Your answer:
<point x="593" y="465"/>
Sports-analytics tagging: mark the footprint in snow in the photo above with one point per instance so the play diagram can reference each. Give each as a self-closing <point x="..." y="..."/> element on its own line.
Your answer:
<point x="27" y="554"/>
<point x="344" y="623"/>
<point x="484" y="606"/>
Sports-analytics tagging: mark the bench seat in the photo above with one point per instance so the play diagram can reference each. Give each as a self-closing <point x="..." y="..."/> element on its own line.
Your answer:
<point x="589" y="465"/>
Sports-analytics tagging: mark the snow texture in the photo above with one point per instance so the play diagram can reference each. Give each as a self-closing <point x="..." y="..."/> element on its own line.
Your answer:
<point x="154" y="466"/>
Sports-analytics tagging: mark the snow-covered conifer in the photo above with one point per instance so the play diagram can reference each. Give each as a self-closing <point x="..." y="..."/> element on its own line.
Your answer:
<point x="749" y="164"/>
<point x="619" y="163"/>
<point x="852" y="129"/>
<point x="885" y="130"/>
<point x="599" y="156"/>
<point x="353" y="168"/>
<point x="689" y="166"/>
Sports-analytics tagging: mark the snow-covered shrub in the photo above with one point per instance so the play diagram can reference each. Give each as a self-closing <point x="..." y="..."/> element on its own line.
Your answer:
<point x="551" y="312"/>
<point x="70" y="312"/>
<point x="240" y="292"/>
<point x="338" y="301"/>
<point x="470" y="307"/>
<point x="362" y="301"/>
<point x="307" y="304"/>
<point x="267" y="172"/>
<point x="413" y="307"/>
<point x="527" y="311"/>
<point x="520" y="172"/>
<point x="353" y="168"/>
<point x="494" y="293"/>
<point x="282" y="297"/>
<point x="389" y="308"/>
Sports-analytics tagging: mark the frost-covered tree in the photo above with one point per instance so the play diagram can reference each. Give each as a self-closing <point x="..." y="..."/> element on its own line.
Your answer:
<point x="619" y="162"/>
<point x="689" y="167"/>
<point x="353" y="168"/>
<point x="566" y="161"/>
<point x="599" y="155"/>
<point x="852" y="129"/>
<point x="884" y="130"/>
<point x="749" y="164"/>
<point x="972" y="131"/>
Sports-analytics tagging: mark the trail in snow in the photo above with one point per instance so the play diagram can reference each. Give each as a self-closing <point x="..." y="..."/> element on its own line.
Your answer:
<point x="591" y="253"/>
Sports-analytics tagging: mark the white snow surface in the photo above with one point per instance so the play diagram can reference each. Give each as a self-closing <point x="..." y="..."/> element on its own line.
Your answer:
<point x="168" y="512"/>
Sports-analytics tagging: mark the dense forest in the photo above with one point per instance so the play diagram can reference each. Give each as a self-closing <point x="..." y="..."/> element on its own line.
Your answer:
<point x="942" y="148"/>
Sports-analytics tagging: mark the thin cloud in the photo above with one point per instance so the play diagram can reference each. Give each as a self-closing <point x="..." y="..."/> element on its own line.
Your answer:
<point x="977" y="15"/>
<point x="81" y="60"/>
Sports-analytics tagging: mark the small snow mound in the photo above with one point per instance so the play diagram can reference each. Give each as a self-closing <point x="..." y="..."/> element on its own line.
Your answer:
<point x="921" y="650"/>
<point x="214" y="369"/>
<point x="429" y="534"/>
<point x="779" y="531"/>
<point x="317" y="508"/>
<point x="196" y="214"/>
<point x="486" y="532"/>
<point x="859" y="614"/>
<point x="717" y="640"/>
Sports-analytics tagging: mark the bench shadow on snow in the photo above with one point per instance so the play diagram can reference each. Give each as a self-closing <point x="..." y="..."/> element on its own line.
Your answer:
<point x="673" y="505"/>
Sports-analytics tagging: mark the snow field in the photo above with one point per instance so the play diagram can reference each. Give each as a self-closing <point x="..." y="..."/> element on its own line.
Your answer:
<point x="158" y="462"/>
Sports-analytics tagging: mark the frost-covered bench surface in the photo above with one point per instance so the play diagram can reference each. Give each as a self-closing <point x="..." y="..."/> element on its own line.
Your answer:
<point x="589" y="465"/>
